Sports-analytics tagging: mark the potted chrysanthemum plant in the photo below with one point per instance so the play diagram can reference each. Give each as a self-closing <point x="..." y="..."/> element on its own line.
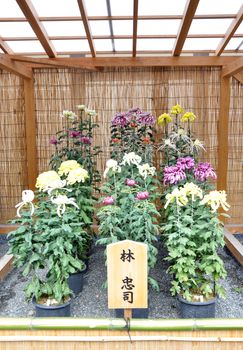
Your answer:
<point x="193" y="231"/>
<point x="132" y="131"/>
<point x="50" y="243"/>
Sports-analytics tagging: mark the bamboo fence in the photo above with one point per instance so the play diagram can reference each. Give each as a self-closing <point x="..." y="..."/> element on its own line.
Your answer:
<point x="110" y="91"/>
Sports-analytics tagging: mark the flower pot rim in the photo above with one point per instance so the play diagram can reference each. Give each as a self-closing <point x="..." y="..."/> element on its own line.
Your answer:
<point x="79" y="271"/>
<point x="50" y="307"/>
<point x="199" y="303"/>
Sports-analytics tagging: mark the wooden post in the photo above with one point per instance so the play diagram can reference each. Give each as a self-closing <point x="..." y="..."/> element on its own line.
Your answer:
<point x="30" y="129"/>
<point x="223" y="129"/>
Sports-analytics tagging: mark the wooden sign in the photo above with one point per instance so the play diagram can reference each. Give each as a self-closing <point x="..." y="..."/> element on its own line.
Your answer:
<point x="127" y="275"/>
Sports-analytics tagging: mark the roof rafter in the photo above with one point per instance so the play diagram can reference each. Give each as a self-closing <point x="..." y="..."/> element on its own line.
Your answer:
<point x="32" y="17"/>
<point x="135" y="28"/>
<point x="230" y="32"/>
<point x="190" y="9"/>
<point x="15" y="67"/>
<point x="4" y="46"/>
<point x="232" y="68"/>
<point x="84" y="16"/>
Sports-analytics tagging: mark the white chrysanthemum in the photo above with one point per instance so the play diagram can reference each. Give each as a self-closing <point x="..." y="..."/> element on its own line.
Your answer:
<point x="146" y="169"/>
<point x="61" y="201"/>
<point x="197" y="145"/>
<point x="177" y="195"/>
<point x="112" y="165"/>
<point x="44" y="180"/>
<point x="131" y="158"/>
<point x="27" y="198"/>
<point x="81" y="107"/>
<point x="77" y="175"/>
<point x="69" y="115"/>
<point x="67" y="166"/>
<point x="193" y="190"/>
<point x="215" y="199"/>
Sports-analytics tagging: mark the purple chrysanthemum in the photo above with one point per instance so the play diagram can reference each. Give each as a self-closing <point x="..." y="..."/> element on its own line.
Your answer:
<point x="86" y="140"/>
<point x="108" y="201"/>
<point x="73" y="133"/>
<point x="53" y="141"/>
<point x="130" y="182"/>
<point x="173" y="175"/>
<point x="133" y="112"/>
<point x="146" y="118"/>
<point x="120" y="119"/>
<point x="203" y="171"/>
<point x="185" y="163"/>
<point x="142" y="195"/>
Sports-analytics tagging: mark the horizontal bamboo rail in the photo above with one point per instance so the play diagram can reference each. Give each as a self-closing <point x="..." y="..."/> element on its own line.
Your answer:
<point x="120" y="324"/>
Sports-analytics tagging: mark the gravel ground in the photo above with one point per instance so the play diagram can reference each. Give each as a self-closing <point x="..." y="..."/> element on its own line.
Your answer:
<point x="92" y="301"/>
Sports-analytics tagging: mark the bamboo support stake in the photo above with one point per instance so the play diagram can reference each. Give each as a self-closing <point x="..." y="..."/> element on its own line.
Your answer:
<point x="30" y="129"/>
<point x="128" y="314"/>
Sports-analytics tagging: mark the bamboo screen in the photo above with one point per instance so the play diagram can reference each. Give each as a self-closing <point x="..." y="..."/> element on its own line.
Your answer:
<point x="114" y="90"/>
<point x="12" y="144"/>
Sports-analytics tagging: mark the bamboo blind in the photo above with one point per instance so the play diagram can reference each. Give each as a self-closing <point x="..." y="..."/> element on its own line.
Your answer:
<point x="12" y="144"/>
<point x="110" y="91"/>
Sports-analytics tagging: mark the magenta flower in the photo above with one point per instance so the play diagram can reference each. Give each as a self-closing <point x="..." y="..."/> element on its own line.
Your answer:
<point x="130" y="182"/>
<point x="146" y="119"/>
<point x="173" y="175"/>
<point x="108" y="200"/>
<point x="133" y="112"/>
<point x="203" y="171"/>
<point x="185" y="163"/>
<point x="142" y="195"/>
<point x="121" y="119"/>
<point x="86" y="140"/>
<point x="73" y="133"/>
<point x="53" y="141"/>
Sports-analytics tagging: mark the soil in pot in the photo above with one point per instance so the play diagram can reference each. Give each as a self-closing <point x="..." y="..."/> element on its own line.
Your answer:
<point x="76" y="281"/>
<point x="61" y="310"/>
<point x="196" y="309"/>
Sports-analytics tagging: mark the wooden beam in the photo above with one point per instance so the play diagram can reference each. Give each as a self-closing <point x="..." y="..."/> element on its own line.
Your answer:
<point x="223" y="126"/>
<point x="7" y="228"/>
<point x="15" y="67"/>
<point x="234" y="246"/>
<point x="30" y="130"/>
<point x="235" y="228"/>
<point x="232" y="68"/>
<point x="52" y="62"/>
<point x="189" y="12"/>
<point x="89" y="62"/>
<point x="239" y="77"/>
<point x="86" y="26"/>
<point x="135" y="28"/>
<point x="231" y="30"/>
<point x="32" y="17"/>
<point x="5" y="265"/>
<point x="4" y="46"/>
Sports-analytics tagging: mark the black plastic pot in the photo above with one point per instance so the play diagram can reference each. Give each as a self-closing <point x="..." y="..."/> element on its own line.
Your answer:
<point x="136" y="313"/>
<point x="76" y="281"/>
<point x="62" y="310"/>
<point x="196" y="309"/>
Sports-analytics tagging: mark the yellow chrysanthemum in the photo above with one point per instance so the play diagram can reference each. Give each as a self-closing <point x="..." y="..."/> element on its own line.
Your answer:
<point x="45" y="179"/>
<point x="215" y="199"/>
<point x="178" y="195"/>
<point x="67" y="166"/>
<point x="177" y="109"/>
<point x="193" y="190"/>
<point x="188" y="116"/>
<point x="77" y="175"/>
<point x="164" y="119"/>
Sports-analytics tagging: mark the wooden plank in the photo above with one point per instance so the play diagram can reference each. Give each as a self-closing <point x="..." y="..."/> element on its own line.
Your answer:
<point x="233" y="68"/>
<point x="89" y="62"/>
<point x="32" y="17"/>
<point x="15" y="67"/>
<point x="30" y="129"/>
<point x="239" y="77"/>
<point x="135" y="28"/>
<point x="189" y="12"/>
<point x="7" y="228"/>
<point x="4" y="46"/>
<point x="223" y="125"/>
<point x="234" y="246"/>
<point x="235" y="228"/>
<point x="87" y="28"/>
<point x="5" y="265"/>
<point x="231" y="30"/>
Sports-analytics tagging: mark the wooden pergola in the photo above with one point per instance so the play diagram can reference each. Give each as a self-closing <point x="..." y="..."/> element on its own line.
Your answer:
<point x="22" y="63"/>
